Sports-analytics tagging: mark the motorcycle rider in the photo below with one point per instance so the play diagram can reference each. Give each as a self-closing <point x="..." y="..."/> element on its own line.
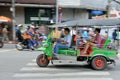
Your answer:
<point x="19" y="34"/>
<point x="29" y="35"/>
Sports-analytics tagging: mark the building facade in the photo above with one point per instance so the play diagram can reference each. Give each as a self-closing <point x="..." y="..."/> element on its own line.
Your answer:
<point x="43" y="11"/>
<point x="30" y="11"/>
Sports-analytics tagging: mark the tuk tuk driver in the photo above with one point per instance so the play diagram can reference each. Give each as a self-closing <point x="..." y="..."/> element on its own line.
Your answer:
<point x="65" y="43"/>
<point x="95" y="42"/>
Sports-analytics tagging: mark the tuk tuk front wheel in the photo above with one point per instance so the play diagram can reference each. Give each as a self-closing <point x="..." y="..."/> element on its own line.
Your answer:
<point x="42" y="60"/>
<point x="99" y="63"/>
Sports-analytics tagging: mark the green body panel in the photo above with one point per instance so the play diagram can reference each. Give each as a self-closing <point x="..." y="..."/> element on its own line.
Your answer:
<point x="47" y="50"/>
<point x="41" y="49"/>
<point x="68" y="52"/>
<point x="71" y="52"/>
<point x="104" y="52"/>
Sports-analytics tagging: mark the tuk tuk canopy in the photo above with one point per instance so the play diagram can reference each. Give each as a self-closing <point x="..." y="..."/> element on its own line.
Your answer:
<point x="88" y="22"/>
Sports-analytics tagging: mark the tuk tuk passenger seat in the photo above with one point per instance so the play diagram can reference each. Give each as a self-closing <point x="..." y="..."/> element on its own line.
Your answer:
<point x="106" y="43"/>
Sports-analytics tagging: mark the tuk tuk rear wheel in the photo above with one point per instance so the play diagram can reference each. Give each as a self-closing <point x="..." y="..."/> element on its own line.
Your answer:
<point x="99" y="63"/>
<point x="42" y="60"/>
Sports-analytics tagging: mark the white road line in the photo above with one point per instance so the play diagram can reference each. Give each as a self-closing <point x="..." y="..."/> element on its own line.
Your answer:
<point x="73" y="79"/>
<point x="32" y="64"/>
<point x="34" y="60"/>
<point x="7" y="50"/>
<point x="61" y="74"/>
<point x="40" y="69"/>
<point x="35" y="64"/>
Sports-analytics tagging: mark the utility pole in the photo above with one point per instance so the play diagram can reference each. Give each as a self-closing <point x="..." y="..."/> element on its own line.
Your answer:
<point x="109" y="8"/>
<point x="13" y="18"/>
<point x="57" y="11"/>
<point x="108" y="13"/>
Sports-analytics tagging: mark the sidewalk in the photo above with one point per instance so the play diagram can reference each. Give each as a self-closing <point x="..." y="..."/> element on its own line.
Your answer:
<point x="10" y="42"/>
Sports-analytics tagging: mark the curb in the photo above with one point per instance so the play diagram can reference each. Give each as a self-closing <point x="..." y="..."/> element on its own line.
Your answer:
<point x="10" y="42"/>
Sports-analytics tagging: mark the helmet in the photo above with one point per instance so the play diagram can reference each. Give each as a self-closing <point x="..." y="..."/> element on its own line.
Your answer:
<point x="20" y="25"/>
<point x="32" y="26"/>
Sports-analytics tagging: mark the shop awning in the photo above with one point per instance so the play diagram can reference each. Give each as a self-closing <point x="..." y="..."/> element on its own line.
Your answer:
<point x="5" y="19"/>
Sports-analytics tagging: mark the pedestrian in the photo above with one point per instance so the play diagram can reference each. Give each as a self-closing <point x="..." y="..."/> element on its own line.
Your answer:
<point x="5" y="33"/>
<point x="0" y="30"/>
<point x="118" y="37"/>
<point x="114" y="36"/>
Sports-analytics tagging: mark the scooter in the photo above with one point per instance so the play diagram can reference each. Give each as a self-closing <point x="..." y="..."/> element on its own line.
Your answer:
<point x="22" y="45"/>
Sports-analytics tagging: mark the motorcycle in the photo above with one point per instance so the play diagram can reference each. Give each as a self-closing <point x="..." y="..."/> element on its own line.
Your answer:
<point x="24" y="45"/>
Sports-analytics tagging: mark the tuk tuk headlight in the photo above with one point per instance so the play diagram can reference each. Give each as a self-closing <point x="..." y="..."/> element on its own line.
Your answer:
<point x="45" y="45"/>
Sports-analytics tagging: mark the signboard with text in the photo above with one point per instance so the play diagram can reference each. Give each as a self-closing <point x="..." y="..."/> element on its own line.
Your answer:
<point x="69" y="3"/>
<point x="88" y="4"/>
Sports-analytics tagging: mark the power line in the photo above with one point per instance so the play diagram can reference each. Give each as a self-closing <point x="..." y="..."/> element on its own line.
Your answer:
<point x="116" y="1"/>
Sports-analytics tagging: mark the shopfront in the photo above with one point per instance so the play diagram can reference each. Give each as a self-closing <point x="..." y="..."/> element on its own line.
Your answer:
<point x="38" y="15"/>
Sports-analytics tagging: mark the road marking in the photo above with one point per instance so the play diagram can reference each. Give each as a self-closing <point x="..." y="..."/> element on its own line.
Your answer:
<point x="35" y="64"/>
<point x="31" y="72"/>
<point x="41" y="69"/>
<point x="61" y="74"/>
<point x="7" y="50"/>
<point x="32" y="64"/>
<point x="34" y="60"/>
<point x="73" y="79"/>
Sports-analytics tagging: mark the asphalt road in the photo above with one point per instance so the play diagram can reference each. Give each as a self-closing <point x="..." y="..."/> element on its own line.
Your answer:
<point x="21" y="65"/>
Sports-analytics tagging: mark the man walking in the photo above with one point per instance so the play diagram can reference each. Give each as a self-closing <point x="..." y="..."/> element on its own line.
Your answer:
<point x="5" y="33"/>
<point x="114" y="36"/>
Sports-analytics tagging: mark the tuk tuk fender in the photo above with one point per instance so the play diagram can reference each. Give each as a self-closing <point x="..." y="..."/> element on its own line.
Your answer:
<point x="43" y="52"/>
<point x="108" y="59"/>
<point x="41" y="49"/>
<point x="96" y="55"/>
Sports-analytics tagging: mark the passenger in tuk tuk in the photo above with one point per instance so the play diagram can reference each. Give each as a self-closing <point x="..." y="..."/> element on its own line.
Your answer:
<point x="94" y="42"/>
<point x="65" y="43"/>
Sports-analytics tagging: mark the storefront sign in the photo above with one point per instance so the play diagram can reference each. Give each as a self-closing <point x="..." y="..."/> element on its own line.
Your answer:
<point x="69" y="3"/>
<point x="37" y="18"/>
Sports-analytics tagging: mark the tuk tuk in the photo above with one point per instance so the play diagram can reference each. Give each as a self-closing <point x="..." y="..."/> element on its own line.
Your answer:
<point x="97" y="58"/>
